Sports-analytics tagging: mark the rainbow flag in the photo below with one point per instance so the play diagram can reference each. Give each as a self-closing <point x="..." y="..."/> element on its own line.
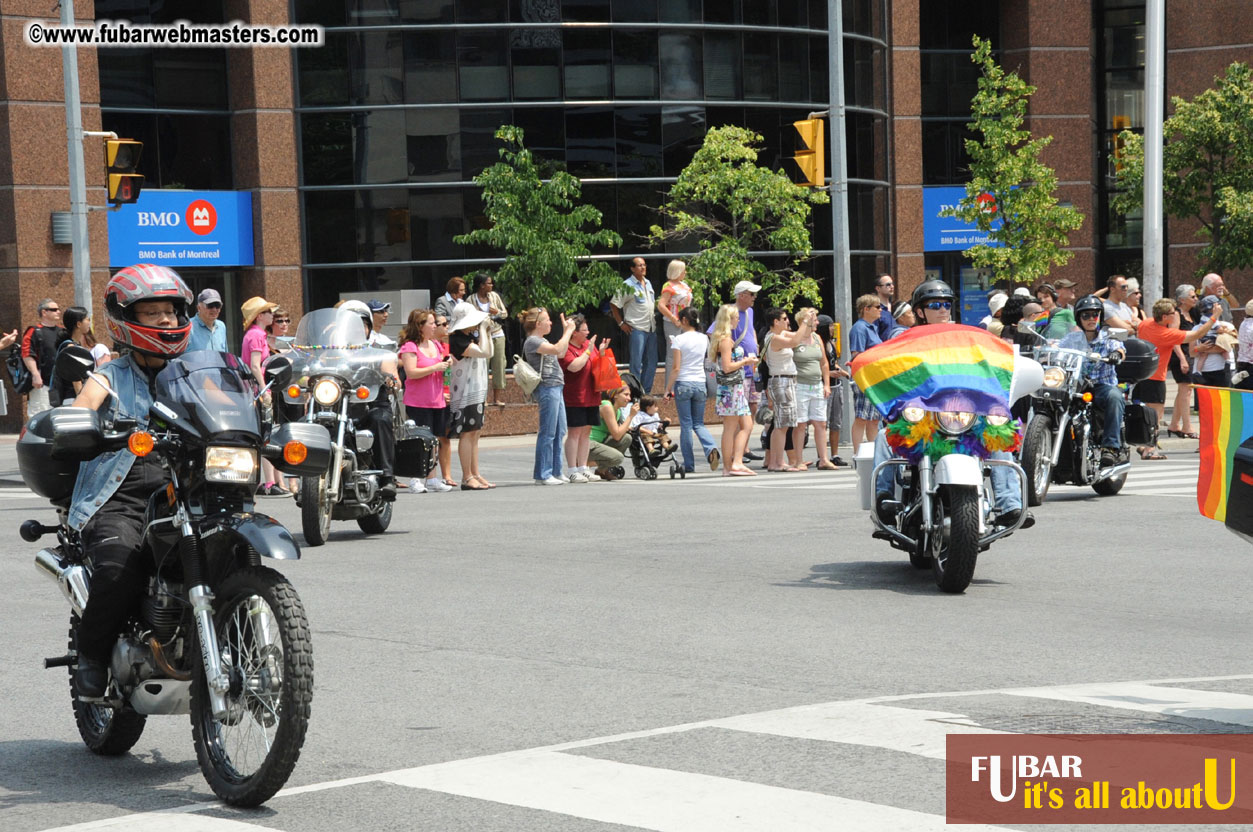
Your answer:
<point x="933" y="360"/>
<point x="1226" y="421"/>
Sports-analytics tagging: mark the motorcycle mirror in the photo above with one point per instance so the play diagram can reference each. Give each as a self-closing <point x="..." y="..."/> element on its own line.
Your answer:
<point x="278" y="370"/>
<point x="74" y="363"/>
<point x="1117" y="334"/>
<point x="1028" y="328"/>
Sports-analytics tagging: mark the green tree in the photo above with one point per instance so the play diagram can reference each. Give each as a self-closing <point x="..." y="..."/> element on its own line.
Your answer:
<point x="546" y="234"/>
<point x="730" y="206"/>
<point x="1005" y="164"/>
<point x="1207" y="169"/>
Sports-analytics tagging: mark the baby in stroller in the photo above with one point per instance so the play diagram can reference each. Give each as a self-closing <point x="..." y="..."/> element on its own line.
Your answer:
<point x="650" y="444"/>
<point x="651" y="427"/>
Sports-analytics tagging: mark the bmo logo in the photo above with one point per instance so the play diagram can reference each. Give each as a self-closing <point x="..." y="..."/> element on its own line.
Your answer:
<point x="201" y="217"/>
<point x="152" y="219"/>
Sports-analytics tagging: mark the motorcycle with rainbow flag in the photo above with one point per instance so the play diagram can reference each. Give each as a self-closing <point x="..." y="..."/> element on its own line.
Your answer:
<point x="945" y="392"/>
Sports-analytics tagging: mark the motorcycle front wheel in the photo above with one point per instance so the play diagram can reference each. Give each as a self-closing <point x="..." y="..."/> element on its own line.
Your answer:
<point x="955" y="563"/>
<point x="377" y="522"/>
<point x="106" y="731"/>
<point x="1037" y="459"/>
<point x="263" y="638"/>
<point x="315" y="510"/>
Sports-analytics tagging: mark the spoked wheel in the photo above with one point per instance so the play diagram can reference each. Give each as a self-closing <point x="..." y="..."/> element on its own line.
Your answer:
<point x="106" y="731"/>
<point x="1037" y="459"/>
<point x="954" y="562"/>
<point x="377" y="522"/>
<point x="248" y="753"/>
<point x="315" y="510"/>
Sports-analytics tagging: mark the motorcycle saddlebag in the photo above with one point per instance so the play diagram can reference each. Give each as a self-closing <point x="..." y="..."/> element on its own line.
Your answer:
<point x="1240" y="492"/>
<point x="47" y="477"/>
<point x="1141" y="424"/>
<point x="416" y="453"/>
<point x="1140" y="361"/>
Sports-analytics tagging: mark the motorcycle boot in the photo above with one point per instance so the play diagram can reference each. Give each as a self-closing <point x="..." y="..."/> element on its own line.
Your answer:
<point x="91" y="678"/>
<point x="387" y="489"/>
<point x="1010" y="517"/>
<point x="1109" y="457"/>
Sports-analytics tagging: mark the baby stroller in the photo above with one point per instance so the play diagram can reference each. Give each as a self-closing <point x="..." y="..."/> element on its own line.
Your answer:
<point x="644" y="461"/>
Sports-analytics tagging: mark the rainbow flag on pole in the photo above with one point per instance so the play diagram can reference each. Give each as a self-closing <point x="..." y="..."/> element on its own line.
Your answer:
<point x="929" y="361"/>
<point x="1226" y="422"/>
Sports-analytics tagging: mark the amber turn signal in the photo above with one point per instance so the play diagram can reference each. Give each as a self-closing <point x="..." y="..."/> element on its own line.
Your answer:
<point x="141" y="443"/>
<point x="293" y="392"/>
<point x="1087" y="397"/>
<point x="295" y="453"/>
<point x="363" y="392"/>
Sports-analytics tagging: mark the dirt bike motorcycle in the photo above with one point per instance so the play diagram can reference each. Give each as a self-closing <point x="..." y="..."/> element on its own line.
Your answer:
<point x="335" y="377"/>
<point x="1062" y="444"/>
<point x="946" y="391"/>
<point x="217" y="635"/>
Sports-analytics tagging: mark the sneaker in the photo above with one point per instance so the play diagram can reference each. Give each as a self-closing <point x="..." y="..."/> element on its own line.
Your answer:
<point x="435" y="485"/>
<point x="578" y="476"/>
<point x="416" y="486"/>
<point x="563" y="478"/>
<point x="839" y="462"/>
<point x="551" y="481"/>
<point x="714" y="459"/>
<point x="752" y="457"/>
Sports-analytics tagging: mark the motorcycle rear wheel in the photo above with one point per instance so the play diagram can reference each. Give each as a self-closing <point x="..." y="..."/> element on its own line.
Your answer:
<point x="106" y="731"/>
<point x="377" y="522"/>
<point x="315" y="510"/>
<point x="1037" y="459"/>
<point x="955" y="564"/>
<point x="263" y="638"/>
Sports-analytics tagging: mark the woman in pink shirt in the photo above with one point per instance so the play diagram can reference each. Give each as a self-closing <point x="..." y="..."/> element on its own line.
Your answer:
<point x="258" y="315"/>
<point x="424" y="360"/>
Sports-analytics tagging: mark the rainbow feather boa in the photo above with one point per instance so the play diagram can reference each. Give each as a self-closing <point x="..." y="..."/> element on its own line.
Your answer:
<point x="912" y="440"/>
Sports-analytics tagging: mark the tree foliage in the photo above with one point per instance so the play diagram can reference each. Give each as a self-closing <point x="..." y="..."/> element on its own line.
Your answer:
<point x="731" y="206"/>
<point x="546" y="234"/>
<point x="1207" y="169"/>
<point x="1005" y="164"/>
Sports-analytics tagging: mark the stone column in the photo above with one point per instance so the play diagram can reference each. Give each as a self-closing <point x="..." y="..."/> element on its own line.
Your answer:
<point x="906" y="147"/>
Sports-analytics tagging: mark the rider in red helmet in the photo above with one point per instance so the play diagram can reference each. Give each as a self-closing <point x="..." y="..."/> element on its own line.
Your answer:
<point x="147" y="314"/>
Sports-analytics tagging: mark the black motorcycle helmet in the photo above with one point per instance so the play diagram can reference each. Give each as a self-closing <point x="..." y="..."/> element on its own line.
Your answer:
<point x="928" y="291"/>
<point x="1088" y="303"/>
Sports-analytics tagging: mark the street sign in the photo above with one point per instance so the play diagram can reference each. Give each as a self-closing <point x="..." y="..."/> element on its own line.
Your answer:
<point x="183" y="228"/>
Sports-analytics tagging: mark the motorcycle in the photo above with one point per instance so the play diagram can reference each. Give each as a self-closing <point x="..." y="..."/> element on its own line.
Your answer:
<point x="942" y="426"/>
<point x="335" y="376"/>
<point x="216" y="635"/>
<point x="1062" y="443"/>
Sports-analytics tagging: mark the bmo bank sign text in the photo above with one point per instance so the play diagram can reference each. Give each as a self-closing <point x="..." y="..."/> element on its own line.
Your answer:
<point x="183" y="228"/>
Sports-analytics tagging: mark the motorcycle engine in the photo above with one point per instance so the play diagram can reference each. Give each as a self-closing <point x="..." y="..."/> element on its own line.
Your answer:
<point x="161" y="609"/>
<point x="132" y="662"/>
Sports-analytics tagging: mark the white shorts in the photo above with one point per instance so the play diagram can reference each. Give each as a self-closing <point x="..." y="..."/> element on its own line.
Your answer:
<point x="811" y="405"/>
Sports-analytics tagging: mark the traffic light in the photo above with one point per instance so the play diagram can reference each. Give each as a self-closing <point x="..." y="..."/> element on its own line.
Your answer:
<point x="812" y="159"/>
<point x="121" y="157"/>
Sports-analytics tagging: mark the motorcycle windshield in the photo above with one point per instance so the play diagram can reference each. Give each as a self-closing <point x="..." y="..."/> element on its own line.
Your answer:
<point x="938" y="367"/>
<point x="327" y="328"/>
<point x="206" y="393"/>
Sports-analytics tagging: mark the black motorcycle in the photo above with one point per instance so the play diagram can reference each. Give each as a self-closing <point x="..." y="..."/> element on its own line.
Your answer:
<point x="217" y="634"/>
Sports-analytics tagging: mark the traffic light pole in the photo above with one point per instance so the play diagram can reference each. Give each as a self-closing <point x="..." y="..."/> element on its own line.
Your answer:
<point x="841" y="266"/>
<point x="78" y="180"/>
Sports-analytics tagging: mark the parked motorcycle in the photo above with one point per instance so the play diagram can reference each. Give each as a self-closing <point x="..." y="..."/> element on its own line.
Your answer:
<point x="217" y="634"/>
<point x="948" y="408"/>
<point x="1062" y="444"/>
<point x="335" y="377"/>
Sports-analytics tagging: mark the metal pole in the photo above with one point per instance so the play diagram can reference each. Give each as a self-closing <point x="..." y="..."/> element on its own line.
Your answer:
<point x="841" y="290"/>
<point x="1154" y="95"/>
<point x="78" y="182"/>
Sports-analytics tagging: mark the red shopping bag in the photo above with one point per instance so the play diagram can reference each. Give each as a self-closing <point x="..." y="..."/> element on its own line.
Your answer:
<point x="605" y="371"/>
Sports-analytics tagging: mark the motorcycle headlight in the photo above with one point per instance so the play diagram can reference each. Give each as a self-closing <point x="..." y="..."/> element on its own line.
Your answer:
<point x="233" y="465"/>
<point x="1054" y="377"/>
<point x="326" y="392"/>
<point x="913" y="415"/>
<point x="997" y="419"/>
<point x="956" y="421"/>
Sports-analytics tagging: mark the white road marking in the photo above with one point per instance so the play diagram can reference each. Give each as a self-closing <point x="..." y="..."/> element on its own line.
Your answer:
<point x="174" y="821"/>
<point x="653" y="798"/>
<point x="1219" y="706"/>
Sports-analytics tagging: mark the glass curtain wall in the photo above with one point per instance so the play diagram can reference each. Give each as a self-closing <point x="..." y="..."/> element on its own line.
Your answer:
<point x="398" y="111"/>
<point x="1120" y="103"/>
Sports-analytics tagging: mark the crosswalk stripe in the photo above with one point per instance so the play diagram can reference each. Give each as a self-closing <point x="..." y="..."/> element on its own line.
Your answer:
<point x="163" y="822"/>
<point x="911" y="730"/>
<point x="654" y="798"/>
<point x="1219" y="706"/>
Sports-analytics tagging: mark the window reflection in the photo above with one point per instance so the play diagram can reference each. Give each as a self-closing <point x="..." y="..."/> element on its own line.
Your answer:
<point x="481" y="59"/>
<point x="635" y="64"/>
<point x="430" y="67"/>
<point x="638" y="131"/>
<point x="722" y="65"/>
<point x="680" y="66"/>
<point x="586" y="70"/>
<point x="590" y="146"/>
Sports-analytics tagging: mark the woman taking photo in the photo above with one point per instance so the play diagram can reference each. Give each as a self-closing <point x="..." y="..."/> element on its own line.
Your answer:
<point x="471" y="346"/>
<point x="780" y="342"/>
<point x="1181" y="365"/>
<point x="732" y="401"/>
<point x="676" y="296"/>
<point x="687" y="384"/>
<point x="581" y="399"/>
<point x="258" y="314"/>
<point x="488" y="302"/>
<point x="610" y="437"/>
<point x="424" y="363"/>
<point x="542" y="355"/>
<point x="813" y="388"/>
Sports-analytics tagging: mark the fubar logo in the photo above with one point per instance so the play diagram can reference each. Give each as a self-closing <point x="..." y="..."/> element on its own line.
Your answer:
<point x="202" y="217"/>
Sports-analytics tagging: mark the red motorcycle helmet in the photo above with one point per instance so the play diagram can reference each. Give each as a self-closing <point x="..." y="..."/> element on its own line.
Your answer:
<point x="146" y="281"/>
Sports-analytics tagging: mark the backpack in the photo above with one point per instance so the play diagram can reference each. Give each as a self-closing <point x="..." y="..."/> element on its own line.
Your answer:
<point x="19" y="374"/>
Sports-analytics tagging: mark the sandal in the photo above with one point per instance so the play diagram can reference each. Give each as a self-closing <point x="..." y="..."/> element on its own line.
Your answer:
<point x="469" y="486"/>
<point x="826" y="465"/>
<point x="1151" y="453"/>
<point x="1182" y="435"/>
<point x="483" y="482"/>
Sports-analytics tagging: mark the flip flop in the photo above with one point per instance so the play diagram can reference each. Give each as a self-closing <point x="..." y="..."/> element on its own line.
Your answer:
<point x="1152" y="454"/>
<point x="742" y="472"/>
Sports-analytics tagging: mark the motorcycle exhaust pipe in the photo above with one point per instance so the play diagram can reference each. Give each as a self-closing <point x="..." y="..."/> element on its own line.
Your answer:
<point x="71" y="579"/>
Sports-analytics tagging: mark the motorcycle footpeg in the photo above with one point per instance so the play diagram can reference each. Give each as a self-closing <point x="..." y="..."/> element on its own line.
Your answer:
<point x="879" y="534"/>
<point x="68" y="660"/>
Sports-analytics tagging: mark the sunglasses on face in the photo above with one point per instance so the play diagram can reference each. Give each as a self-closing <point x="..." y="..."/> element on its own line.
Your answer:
<point x="282" y="320"/>
<point x="940" y="304"/>
<point x="213" y="306"/>
<point x="1089" y="315"/>
<point x="441" y="323"/>
<point x="52" y="309"/>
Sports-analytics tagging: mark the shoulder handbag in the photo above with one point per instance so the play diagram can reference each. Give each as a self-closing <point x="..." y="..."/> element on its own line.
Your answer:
<point x="525" y="375"/>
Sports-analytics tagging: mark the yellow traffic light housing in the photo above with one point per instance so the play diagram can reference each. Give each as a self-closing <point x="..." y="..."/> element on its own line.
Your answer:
<point x="812" y="158"/>
<point x="121" y="157"/>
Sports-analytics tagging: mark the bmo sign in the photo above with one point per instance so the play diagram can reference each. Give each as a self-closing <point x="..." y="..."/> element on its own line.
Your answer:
<point x="183" y="228"/>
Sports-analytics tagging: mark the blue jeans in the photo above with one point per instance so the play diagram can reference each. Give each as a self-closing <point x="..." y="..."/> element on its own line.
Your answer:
<point x="689" y="397"/>
<point x="552" y="430"/>
<point x="1005" y="486"/>
<point x="643" y="359"/>
<point x="1108" y="399"/>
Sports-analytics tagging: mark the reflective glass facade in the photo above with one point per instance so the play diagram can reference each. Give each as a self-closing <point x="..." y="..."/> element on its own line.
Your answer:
<point x="397" y="114"/>
<point x="1120" y="106"/>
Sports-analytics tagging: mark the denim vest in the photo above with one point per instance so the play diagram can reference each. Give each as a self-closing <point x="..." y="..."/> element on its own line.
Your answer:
<point x="99" y="478"/>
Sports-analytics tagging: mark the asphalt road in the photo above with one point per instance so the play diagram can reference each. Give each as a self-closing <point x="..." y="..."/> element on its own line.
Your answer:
<point x="625" y="655"/>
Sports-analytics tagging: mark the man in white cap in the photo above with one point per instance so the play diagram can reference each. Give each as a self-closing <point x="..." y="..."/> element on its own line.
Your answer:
<point x="207" y="332"/>
<point x="992" y="322"/>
